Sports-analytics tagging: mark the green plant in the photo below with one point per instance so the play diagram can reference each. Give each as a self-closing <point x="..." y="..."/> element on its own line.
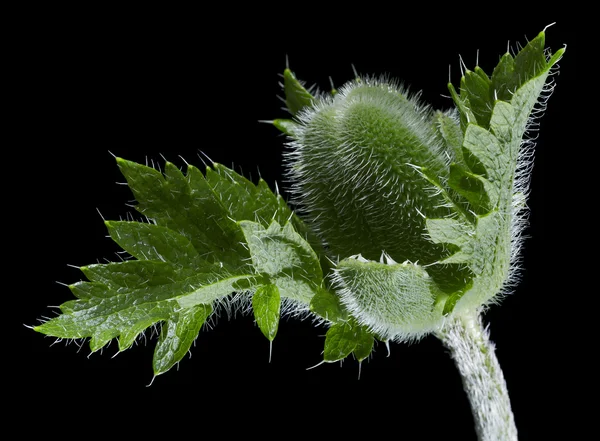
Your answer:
<point x="408" y="223"/>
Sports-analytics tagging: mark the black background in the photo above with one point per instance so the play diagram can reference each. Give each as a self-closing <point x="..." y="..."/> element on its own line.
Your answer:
<point x="145" y="84"/>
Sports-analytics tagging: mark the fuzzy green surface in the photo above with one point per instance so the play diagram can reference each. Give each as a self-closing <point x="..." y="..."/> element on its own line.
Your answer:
<point x="353" y="161"/>
<point x="395" y="301"/>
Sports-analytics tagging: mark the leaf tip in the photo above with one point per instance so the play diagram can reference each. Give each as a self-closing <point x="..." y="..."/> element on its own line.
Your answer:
<point x="153" y="378"/>
<point x="287" y="73"/>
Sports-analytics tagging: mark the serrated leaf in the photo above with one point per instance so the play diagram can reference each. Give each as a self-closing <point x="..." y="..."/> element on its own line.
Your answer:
<point x="123" y="299"/>
<point x="523" y="102"/>
<point x="296" y="96"/>
<point x="190" y="255"/>
<point x="132" y="274"/>
<point x="509" y="75"/>
<point x="286" y="258"/>
<point x="266" y="304"/>
<point x="531" y="60"/>
<point x="153" y="242"/>
<point x="177" y="335"/>
<point x="244" y="200"/>
<point x="103" y="319"/>
<point x="494" y="157"/>
<point x="188" y="206"/>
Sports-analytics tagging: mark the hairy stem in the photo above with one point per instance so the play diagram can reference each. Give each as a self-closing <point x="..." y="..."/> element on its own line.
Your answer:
<point x="482" y="377"/>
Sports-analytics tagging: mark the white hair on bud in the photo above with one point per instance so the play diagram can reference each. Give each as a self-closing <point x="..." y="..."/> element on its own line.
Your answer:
<point x="338" y="183"/>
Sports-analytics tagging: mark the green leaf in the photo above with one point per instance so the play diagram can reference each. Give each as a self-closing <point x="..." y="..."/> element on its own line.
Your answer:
<point x="364" y="344"/>
<point x="328" y="305"/>
<point x="472" y="187"/>
<point x="126" y="309"/>
<point x="489" y="152"/>
<point x="448" y="128"/>
<point x="266" y="304"/>
<point x="451" y="301"/>
<point x="86" y="290"/>
<point x="153" y="242"/>
<point x="484" y="249"/>
<point x="192" y="253"/>
<point x="340" y="340"/>
<point x="286" y="126"/>
<point x="504" y="81"/>
<point x="244" y="200"/>
<point x="462" y="104"/>
<point x="449" y="231"/>
<point x="286" y="258"/>
<point x="345" y="338"/>
<point x="523" y="102"/>
<point x="475" y="85"/>
<point x="492" y="152"/>
<point x="188" y="206"/>
<point x="479" y="95"/>
<point x="296" y="96"/>
<point x="531" y="60"/>
<point x="133" y="274"/>
<point x="177" y="335"/>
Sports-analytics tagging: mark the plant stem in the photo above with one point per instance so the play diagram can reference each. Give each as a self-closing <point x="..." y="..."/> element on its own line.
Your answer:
<point x="482" y="377"/>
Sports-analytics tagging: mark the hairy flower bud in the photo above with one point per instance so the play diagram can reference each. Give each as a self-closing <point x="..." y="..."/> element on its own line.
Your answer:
<point x="378" y="173"/>
<point x="354" y="163"/>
